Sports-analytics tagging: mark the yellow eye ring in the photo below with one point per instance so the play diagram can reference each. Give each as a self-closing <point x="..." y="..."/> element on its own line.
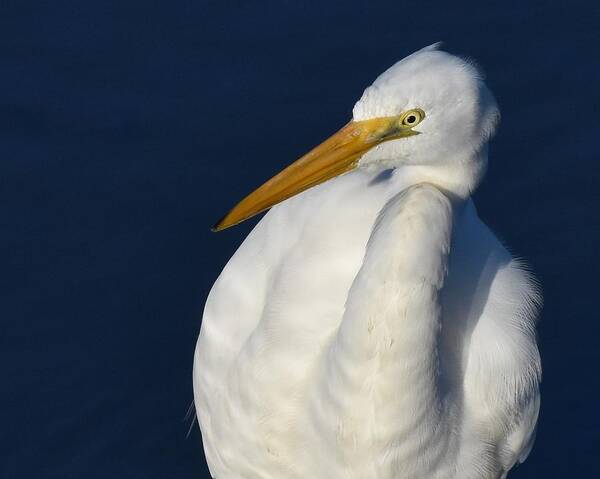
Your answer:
<point x="412" y="117"/>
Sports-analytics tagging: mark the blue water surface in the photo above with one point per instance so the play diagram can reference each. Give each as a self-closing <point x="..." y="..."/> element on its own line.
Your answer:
<point x="128" y="127"/>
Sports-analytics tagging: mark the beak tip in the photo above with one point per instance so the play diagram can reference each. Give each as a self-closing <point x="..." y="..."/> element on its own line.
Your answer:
<point x="218" y="226"/>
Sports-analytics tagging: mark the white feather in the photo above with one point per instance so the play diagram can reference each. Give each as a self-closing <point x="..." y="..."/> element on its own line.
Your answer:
<point x="373" y="326"/>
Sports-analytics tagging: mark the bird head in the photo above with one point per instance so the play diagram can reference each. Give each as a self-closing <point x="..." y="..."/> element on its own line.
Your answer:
<point x="431" y="112"/>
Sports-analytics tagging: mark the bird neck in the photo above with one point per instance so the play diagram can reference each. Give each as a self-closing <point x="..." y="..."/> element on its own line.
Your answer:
<point x="457" y="175"/>
<point x="385" y="358"/>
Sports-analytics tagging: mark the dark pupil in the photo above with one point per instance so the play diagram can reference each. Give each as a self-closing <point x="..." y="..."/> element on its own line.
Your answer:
<point x="411" y="119"/>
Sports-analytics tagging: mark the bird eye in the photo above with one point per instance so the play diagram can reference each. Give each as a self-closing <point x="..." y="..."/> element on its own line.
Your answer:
<point x="412" y="117"/>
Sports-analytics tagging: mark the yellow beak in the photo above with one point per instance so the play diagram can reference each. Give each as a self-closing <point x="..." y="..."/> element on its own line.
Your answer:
<point x="336" y="155"/>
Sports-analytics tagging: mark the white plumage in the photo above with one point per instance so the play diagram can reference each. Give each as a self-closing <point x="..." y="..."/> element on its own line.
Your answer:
<point x="373" y="326"/>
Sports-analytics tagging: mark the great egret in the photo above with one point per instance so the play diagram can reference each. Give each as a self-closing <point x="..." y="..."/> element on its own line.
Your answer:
<point x="373" y="326"/>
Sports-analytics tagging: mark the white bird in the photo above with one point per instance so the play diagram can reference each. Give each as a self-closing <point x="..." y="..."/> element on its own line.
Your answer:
<point x="373" y="326"/>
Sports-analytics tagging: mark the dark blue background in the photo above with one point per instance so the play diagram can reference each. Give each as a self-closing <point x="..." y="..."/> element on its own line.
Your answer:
<point x="128" y="127"/>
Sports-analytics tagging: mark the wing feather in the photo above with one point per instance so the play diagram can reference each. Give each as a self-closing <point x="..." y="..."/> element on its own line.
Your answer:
<point x="502" y="367"/>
